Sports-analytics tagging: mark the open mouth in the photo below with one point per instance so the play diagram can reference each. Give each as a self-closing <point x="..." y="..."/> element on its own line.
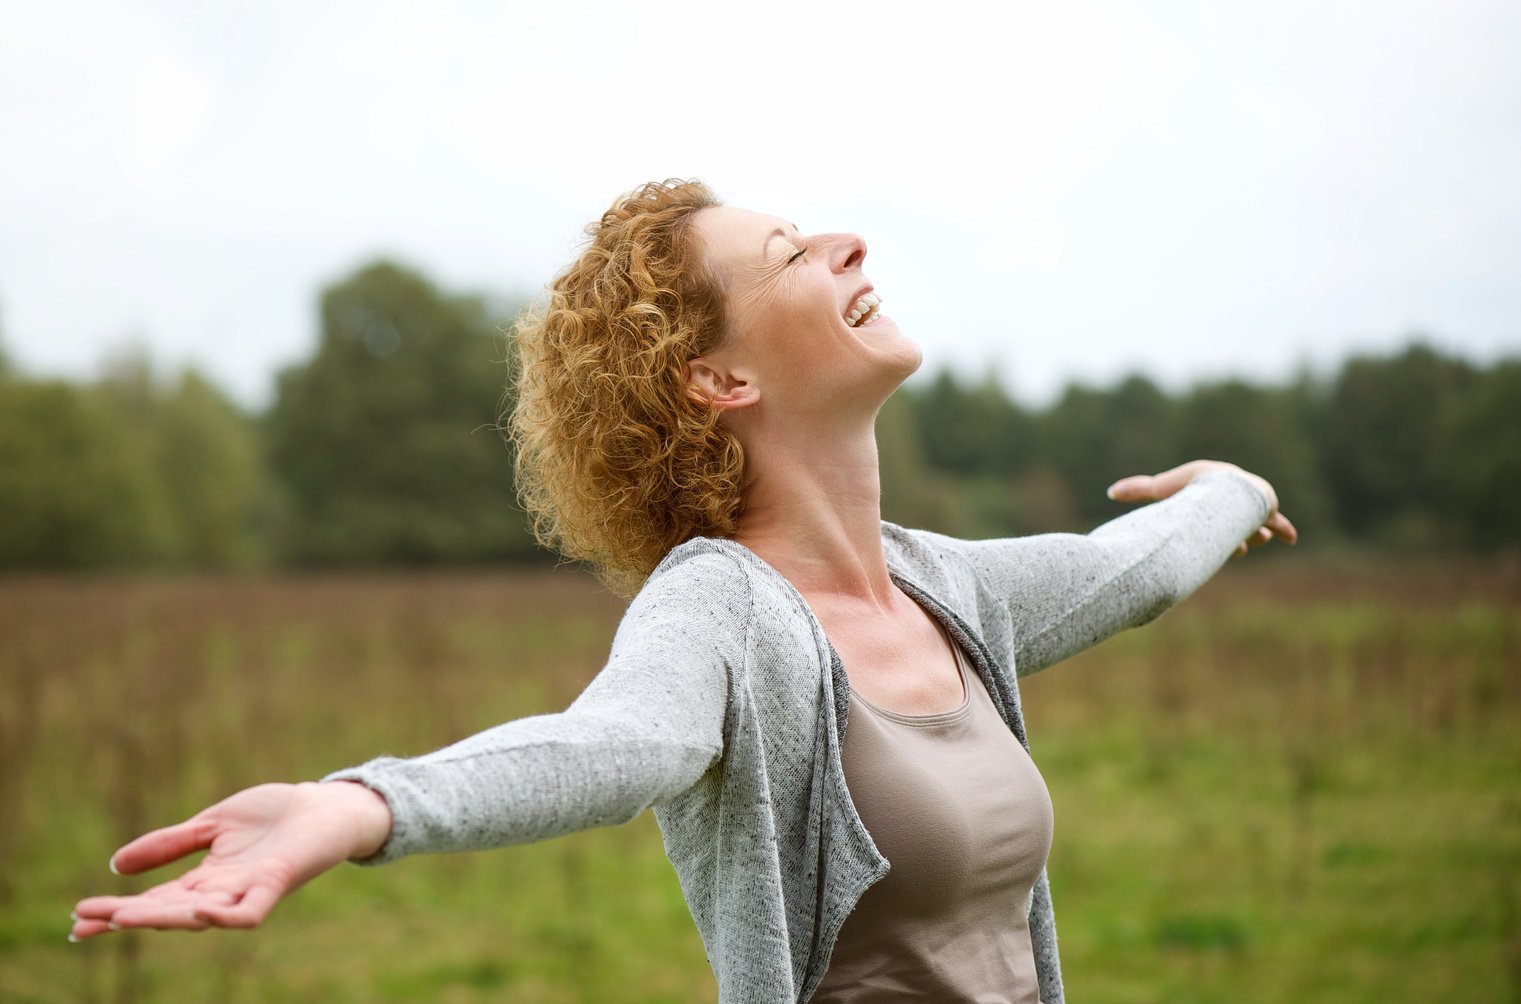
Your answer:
<point x="863" y="311"/>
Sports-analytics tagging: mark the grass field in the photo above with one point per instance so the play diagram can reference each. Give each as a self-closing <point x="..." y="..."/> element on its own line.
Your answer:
<point x="1302" y="785"/>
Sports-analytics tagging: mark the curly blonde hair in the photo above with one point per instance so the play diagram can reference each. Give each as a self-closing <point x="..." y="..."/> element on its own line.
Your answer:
<point x="617" y="460"/>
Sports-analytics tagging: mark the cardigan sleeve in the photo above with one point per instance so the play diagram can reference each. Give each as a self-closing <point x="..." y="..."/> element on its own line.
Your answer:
<point x="646" y="728"/>
<point x="1066" y="592"/>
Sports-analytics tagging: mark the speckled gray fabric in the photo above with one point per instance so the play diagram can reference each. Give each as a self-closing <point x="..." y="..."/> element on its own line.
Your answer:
<point x="722" y="705"/>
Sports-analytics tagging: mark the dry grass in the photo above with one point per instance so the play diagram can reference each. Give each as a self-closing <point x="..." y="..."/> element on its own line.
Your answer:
<point x="1302" y="785"/>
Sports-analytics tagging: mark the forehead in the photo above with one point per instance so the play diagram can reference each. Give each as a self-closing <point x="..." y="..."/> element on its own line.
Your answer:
<point x="733" y="236"/>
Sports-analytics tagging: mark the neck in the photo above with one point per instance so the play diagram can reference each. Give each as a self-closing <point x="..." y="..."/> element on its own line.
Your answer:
<point x="813" y="511"/>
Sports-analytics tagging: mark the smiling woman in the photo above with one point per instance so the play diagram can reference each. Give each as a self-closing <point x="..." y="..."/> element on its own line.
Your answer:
<point x="804" y="322"/>
<point x="821" y="708"/>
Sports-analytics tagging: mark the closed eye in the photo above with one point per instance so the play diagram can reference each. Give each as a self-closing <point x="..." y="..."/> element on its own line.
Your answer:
<point x="800" y="252"/>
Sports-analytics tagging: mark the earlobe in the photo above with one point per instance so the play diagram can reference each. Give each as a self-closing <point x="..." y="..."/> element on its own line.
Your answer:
<point x="721" y="389"/>
<point x="741" y="395"/>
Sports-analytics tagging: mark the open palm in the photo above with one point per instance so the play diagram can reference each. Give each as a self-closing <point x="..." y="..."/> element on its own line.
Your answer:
<point x="261" y="844"/>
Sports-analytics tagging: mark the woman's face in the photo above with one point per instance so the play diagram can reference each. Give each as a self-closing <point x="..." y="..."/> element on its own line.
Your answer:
<point x="804" y="326"/>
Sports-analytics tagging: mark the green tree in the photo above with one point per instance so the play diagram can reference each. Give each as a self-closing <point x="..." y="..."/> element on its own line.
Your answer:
<point x="210" y="461"/>
<point x="972" y="430"/>
<point x="76" y="487"/>
<point x="982" y="451"/>
<point x="385" y="443"/>
<point x="1390" y="424"/>
<point x="1482" y="467"/>
<point x="912" y="494"/>
<point x="1090" y="438"/>
<point x="209" y="482"/>
<point x="1261" y="430"/>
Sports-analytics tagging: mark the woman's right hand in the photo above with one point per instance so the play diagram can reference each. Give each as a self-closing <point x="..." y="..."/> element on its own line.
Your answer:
<point x="1151" y="487"/>
<point x="261" y="843"/>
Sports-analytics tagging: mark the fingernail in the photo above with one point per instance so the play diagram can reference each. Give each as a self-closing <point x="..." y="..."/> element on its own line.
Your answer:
<point x="1110" y="490"/>
<point x="74" y="916"/>
<point x="111" y="864"/>
<point x="113" y="925"/>
<point x="73" y="938"/>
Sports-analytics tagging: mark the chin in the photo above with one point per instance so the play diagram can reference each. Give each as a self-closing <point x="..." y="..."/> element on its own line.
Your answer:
<point x="907" y="358"/>
<point x="898" y="369"/>
<point x="916" y="359"/>
<point x="894" y="358"/>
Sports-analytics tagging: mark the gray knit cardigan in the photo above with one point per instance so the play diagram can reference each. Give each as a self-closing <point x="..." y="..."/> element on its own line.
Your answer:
<point x="723" y="706"/>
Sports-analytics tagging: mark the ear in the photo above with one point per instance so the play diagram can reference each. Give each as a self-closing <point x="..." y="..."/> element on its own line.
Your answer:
<point x="712" y="383"/>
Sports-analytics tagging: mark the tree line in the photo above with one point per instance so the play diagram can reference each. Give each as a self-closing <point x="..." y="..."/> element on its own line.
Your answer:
<point x="384" y="448"/>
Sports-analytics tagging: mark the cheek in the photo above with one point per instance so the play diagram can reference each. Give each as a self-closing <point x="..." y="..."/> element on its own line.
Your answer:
<point x="760" y="292"/>
<point x="781" y="325"/>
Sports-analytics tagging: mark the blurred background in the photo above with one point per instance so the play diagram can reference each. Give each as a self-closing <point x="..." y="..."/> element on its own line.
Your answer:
<point x="258" y="268"/>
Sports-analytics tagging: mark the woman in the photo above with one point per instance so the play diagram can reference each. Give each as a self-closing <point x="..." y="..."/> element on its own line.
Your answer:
<point x="695" y="419"/>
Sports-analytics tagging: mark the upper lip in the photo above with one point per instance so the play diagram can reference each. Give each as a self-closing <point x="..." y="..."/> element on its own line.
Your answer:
<point x="857" y="295"/>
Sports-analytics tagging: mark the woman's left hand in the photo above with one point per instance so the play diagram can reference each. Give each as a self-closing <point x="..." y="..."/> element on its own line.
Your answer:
<point x="262" y="843"/>
<point x="1151" y="487"/>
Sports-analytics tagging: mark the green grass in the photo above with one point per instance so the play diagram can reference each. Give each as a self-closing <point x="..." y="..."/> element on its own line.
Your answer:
<point x="1303" y="785"/>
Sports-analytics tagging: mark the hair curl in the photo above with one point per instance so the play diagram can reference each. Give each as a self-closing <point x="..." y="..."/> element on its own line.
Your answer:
<point x="617" y="461"/>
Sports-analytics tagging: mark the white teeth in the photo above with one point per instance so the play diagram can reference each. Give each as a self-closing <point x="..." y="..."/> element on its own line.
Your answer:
<point x="863" y="308"/>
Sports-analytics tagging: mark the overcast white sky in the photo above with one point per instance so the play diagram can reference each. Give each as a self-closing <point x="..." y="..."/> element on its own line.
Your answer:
<point x="1063" y="189"/>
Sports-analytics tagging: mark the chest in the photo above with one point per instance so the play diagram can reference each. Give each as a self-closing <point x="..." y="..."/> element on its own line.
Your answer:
<point x="954" y="802"/>
<point x="902" y="661"/>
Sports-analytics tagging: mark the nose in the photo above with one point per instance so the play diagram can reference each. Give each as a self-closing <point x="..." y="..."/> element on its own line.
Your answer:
<point x="849" y="251"/>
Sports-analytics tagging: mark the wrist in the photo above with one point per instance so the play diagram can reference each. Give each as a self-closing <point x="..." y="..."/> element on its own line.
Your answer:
<point x="366" y="812"/>
<point x="1260" y="483"/>
<point x="1257" y="481"/>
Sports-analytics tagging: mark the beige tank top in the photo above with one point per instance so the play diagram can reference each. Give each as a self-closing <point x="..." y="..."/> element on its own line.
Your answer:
<point x="959" y="810"/>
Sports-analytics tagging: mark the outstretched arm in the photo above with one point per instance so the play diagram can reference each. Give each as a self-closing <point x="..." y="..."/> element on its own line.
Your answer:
<point x="647" y="728"/>
<point x="1065" y="592"/>
<point x="260" y="844"/>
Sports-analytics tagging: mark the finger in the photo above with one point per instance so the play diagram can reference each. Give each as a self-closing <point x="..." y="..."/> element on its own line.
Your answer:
<point x="83" y="929"/>
<point x="1172" y="481"/>
<point x="167" y="896"/>
<point x="163" y="845"/>
<point x="252" y="910"/>
<point x="1241" y="549"/>
<point x="1281" y="528"/>
<point x="99" y="907"/>
<point x="180" y="915"/>
<point x="193" y="898"/>
<point x="1259" y="537"/>
<point x="1136" y="488"/>
<point x="196" y="912"/>
<point x="1151" y="487"/>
